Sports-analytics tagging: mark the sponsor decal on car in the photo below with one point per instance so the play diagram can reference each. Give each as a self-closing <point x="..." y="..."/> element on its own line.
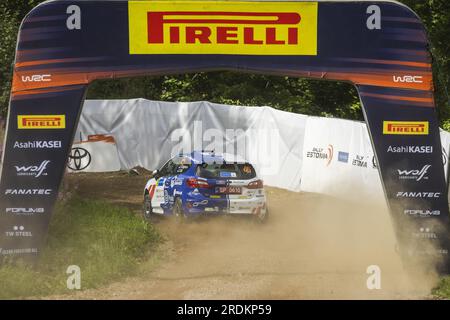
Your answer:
<point x="223" y="27"/>
<point x="41" y="121"/>
<point x="406" y="127"/>
<point x="200" y="203"/>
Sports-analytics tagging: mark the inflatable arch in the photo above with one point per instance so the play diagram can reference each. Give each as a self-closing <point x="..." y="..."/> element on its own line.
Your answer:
<point x="379" y="46"/>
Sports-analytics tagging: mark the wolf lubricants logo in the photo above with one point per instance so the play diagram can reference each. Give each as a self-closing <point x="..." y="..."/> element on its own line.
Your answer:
<point x="263" y="28"/>
<point x="406" y="127"/>
<point x="41" y="121"/>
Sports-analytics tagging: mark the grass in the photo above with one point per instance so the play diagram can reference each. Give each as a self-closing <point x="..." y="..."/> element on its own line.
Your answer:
<point x="107" y="242"/>
<point x="443" y="289"/>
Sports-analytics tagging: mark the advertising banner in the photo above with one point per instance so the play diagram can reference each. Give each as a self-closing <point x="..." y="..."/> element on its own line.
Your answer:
<point x="272" y="140"/>
<point x="65" y="45"/>
<point x="338" y="160"/>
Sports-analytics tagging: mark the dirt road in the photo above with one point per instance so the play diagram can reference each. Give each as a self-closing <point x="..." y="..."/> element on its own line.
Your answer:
<point x="313" y="247"/>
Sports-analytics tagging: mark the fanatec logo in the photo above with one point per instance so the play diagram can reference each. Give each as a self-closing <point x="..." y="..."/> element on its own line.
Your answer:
<point x="413" y="194"/>
<point x="416" y="175"/>
<point x="35" y="171"/>
<point x="55" y="144"/>
<point x="21" y="192"/>
<point x="25" y="211"/>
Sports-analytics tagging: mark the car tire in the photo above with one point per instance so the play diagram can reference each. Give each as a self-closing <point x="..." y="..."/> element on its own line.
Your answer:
<point x="147" y="209"/>
<point x="178" y="212"/>
<point x="262" y="219"/>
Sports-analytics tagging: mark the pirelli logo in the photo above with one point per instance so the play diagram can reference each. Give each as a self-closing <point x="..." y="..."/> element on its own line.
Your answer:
<point x="249" y="28"/>
<point x="41" y="121"/>
<point x="406" y="127"/>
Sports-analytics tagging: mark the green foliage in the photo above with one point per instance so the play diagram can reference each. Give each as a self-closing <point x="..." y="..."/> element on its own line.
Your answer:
<point x="446" y="124"/>
<point x="289" y="94"/>
<point x="8" y="34"/>
<point x="105" y="241"/>
<point x="435" y="14"/>
<point x="443" y="288"/>
<point x="312" y="97"/>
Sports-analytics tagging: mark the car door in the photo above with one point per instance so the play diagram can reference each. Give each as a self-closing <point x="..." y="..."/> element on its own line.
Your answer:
<point x="157" y="188"/>
<point x="174" y="179"/>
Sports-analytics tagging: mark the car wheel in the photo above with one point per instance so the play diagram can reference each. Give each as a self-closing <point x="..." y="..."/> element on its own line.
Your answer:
<point x="262" y="218"/>
<point x="147" y="208"/>
<point x="178" y="212"/>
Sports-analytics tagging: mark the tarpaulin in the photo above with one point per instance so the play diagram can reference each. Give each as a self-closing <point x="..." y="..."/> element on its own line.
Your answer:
<point x="289" y="150"/>
<point x="148" y="133"/>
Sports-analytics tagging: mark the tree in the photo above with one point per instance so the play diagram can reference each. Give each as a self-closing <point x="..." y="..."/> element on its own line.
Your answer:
<point x="313" y="97"/>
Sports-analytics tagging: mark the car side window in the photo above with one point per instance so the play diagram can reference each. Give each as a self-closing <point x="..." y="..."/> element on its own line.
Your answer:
<point x="166" y="169"/>
<point x="180" y="165"/>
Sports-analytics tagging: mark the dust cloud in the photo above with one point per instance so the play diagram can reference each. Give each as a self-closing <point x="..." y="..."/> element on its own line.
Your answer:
<point x="313" y="246"/>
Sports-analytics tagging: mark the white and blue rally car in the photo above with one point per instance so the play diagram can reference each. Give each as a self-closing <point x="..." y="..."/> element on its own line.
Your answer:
<point x="205" y="183"/>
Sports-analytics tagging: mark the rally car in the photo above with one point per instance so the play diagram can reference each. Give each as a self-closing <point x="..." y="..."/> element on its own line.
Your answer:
<point x="205" y="183"/>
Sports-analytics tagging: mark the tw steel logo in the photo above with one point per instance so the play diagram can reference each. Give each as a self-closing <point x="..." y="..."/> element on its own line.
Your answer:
<point x="406" y="127"/>
<point x="223" y="28"/>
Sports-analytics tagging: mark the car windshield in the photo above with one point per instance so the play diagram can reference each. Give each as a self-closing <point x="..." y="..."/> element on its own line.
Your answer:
<point x="226" y="170"/>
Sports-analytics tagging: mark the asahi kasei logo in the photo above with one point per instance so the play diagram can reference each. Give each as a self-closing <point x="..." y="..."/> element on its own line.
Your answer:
<point x="38" y="144"/>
